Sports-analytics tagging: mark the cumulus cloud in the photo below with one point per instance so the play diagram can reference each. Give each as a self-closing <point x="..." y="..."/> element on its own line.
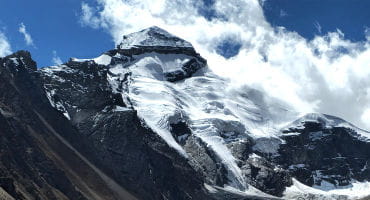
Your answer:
<point x="366" y="115"/>
<point x="327" y="74"/>
<point x="5" y="48"/>
<point x="26" y="35"/>
<point x="56" y="59"/>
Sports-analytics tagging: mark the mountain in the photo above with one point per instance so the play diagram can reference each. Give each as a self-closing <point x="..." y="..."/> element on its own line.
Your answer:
<point x="150" y="120"/>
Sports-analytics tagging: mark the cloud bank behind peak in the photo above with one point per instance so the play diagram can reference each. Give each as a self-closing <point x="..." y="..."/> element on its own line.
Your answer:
<point x="328" y="74"/>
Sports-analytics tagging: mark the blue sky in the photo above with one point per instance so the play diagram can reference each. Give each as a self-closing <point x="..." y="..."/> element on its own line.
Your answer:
<point x="55" y="25"/>
<point x="304" y="16"/>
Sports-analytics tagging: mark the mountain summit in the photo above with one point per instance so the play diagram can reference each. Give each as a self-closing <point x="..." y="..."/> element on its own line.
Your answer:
<point x="153" y="37"/>
<point x="150" y="120"/>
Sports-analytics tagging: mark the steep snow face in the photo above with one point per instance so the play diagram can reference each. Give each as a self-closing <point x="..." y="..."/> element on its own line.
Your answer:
<point x="216" y="112"/>
<point x="148" y="91"/>
<point x="156" y="66"/>
<point x="153" y="37"/>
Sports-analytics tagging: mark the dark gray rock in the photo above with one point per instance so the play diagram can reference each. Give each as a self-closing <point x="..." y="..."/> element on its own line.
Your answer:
<point x="266" y="176"/>
<point x="26" y="170"/>
<point x="323" y="153"/>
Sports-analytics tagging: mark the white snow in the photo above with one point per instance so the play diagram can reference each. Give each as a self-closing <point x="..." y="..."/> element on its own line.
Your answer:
<point x="210" y="188"/>
<point x="15" y="61"/>
<point x="81" y="59"/>
<point x="61" y="68"/>
<point x="299" y="190"/>
<point x="251" y="192"/>
<point x="67" y="115"/>
<point x="104" y="59"/>
<point x="153" y="37"/>
<point x="120" y="109"/>
<point x="291" y="134"/>
<point x="154" y="65"/>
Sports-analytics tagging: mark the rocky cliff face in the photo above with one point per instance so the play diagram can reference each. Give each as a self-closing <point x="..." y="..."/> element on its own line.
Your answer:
<point x="26" y="170"/>
<point x="320" y="152"/>
<point x="149" y="120"/>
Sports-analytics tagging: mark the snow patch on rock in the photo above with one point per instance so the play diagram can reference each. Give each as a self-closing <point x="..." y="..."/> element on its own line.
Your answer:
<point x="104" y="59"/>
<point x="57" y="105"/>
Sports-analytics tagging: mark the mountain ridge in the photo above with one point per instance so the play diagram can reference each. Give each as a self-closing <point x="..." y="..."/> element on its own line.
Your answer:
<point x="138" y="112"/>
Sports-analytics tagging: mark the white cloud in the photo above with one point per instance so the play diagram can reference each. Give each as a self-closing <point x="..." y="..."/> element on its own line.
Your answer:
<point x="5" y="48"/>
<point x="88" y="16"/>
<point x="328" y="74"/>
<point x="56" y="59"/>
<point x="365" y="117"/>
<point x="27" y="36"/>
<point x="318" y="27"/>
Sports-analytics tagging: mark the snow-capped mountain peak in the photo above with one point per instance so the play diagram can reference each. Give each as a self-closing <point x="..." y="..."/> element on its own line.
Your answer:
<point x="224" y="132"/>
<point x="153" y="37"/>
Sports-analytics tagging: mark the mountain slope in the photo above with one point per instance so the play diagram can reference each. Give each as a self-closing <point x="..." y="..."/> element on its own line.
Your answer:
<point x="151" y="117"/>
<point x="33" y="163"/>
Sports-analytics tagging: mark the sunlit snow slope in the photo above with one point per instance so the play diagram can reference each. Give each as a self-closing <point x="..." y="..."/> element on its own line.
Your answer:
<point x="214" y="111"/>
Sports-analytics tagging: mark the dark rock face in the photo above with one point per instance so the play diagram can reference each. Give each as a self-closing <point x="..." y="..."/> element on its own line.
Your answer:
<point x="258" y="171"/>
<point x="188" y="69"/>
<point x="325" y="154"/>
<point x="266" y="176"/>
<point x="206" y="162"/>
<point x="26" y="171"/>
